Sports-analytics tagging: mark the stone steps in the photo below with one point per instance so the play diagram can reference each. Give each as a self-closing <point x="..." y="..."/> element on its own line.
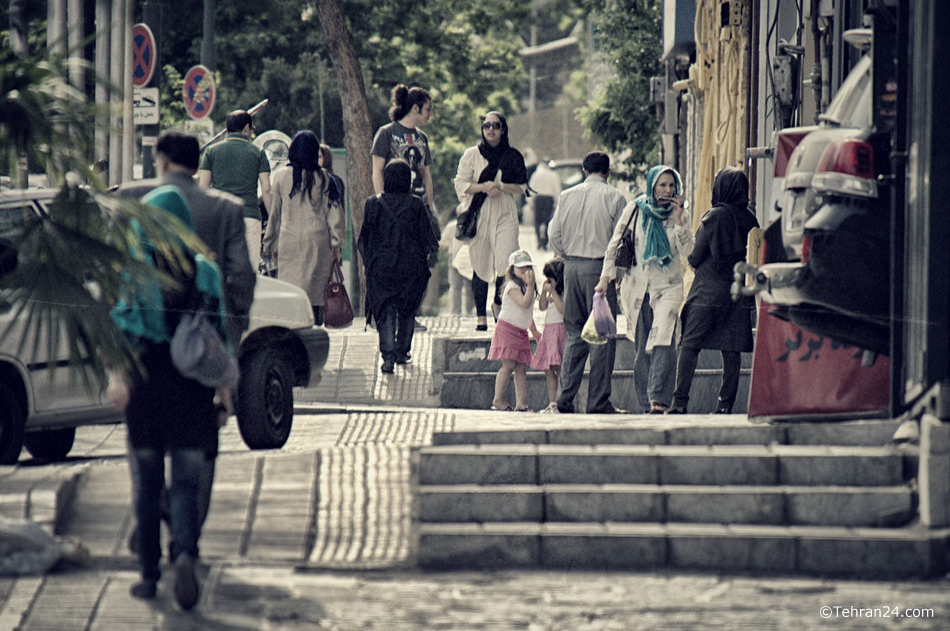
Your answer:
<point x="755" y="465"/>
<point x="865" y="553"/>
<point x="609" y="503"/>
<point x="818" y="499"/>
<point x="468" y="378"/>
<point x="854" y="433"/>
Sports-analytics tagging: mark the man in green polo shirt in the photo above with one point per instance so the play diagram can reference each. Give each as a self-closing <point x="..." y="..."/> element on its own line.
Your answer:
<point x="236" y="166"/>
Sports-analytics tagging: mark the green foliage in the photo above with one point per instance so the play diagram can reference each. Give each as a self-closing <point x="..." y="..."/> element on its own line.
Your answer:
<point x="39" y="111"/>
<point x="628" y="33"/>
<point x="85" y="239"/>
<point x="464" y="53"/>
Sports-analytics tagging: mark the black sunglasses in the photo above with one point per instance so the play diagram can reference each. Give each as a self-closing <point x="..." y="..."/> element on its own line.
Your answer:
<point x="491" y="125"/>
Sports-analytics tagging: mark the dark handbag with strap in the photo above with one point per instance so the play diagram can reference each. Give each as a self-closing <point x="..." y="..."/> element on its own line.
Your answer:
<point x="626" y="254"/>
<point x="466" y="223"/>
<point x="337" y="309"/>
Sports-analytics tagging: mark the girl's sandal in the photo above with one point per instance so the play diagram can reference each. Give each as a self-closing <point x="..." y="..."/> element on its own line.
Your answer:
<point x="522" y="409"/>
<point x="503" y="408"/>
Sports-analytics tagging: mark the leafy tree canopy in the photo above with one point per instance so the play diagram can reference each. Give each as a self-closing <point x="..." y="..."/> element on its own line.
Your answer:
<point x="464" y="53"/>
<point x="628" y="33"/>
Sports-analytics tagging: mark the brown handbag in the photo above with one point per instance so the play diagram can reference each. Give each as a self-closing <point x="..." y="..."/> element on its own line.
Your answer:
<point x="337" y="309"/>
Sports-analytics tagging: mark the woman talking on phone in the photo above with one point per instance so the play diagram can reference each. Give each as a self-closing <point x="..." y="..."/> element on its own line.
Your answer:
<point x="651" y="289"/>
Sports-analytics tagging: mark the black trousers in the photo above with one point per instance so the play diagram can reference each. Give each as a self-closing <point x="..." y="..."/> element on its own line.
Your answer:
<point x="480" y="293"/>
<point x="686" y="368"/>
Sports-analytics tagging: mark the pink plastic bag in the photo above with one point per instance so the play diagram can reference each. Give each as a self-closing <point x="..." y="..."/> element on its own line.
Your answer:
<point x="603" y="319"/>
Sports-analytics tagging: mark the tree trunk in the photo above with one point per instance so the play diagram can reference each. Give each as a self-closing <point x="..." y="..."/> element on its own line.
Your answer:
<point x="357" y="126"/>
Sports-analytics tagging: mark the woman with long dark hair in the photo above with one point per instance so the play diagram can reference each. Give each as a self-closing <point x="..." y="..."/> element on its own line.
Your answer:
<point x="306" y="228"/>
<point x="490" y="176"/>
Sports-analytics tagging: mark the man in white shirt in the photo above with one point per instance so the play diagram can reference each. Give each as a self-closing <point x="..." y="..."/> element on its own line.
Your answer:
<point x="579" y="231"/>
<point x="547" y="186"/>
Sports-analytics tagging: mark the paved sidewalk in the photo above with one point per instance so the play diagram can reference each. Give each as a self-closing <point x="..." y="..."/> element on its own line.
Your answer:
<point x="317" y="534"/>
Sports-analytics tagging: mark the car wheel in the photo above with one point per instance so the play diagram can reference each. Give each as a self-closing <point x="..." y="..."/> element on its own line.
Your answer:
<point x="12" y="421"/>
<point x="265" y="405"/>
<point x="51" y="445"/>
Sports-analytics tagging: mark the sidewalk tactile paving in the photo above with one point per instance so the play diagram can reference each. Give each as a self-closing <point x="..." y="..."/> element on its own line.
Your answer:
<point x="400" y="428"/>
<point x="363" y="511"/>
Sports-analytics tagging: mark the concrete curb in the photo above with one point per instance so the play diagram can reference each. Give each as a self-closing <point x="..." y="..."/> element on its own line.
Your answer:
<point x="39" y="495"/>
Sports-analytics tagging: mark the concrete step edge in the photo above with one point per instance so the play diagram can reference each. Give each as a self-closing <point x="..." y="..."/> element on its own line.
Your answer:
<point x="656" y="488"/>
<point x="811" y="451"/>
<point x="650" y="529"/>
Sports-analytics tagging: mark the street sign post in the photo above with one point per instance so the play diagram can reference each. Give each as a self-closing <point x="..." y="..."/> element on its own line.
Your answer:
<point x="145" y="106"/>
<point x="199" y="92"/>
<point x="143" y="55"/>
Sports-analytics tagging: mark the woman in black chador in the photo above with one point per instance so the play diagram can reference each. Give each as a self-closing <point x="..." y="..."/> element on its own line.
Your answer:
<point x="710" y="318"/>
<point x="395" y="242"/>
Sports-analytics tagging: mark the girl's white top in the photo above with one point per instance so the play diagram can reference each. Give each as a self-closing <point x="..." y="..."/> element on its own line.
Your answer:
<point x="510" y="311"/>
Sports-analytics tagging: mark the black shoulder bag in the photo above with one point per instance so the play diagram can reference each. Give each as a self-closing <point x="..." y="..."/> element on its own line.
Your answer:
<point x="626" y="255"/>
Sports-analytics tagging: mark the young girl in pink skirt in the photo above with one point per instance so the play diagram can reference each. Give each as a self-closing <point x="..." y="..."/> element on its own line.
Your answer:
<point x="550" y="350"/>
<point x="510" y="340"/>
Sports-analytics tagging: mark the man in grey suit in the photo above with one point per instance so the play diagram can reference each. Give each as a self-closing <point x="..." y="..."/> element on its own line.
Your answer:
<point x="218" y="219"/>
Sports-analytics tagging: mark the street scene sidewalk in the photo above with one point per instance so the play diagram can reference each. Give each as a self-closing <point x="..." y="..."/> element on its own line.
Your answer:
<point x="318" y="534"/>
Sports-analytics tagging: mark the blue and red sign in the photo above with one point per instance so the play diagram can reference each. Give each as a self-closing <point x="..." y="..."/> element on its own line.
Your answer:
<point x="143" y="55"/>
<point x="199" y="92"/>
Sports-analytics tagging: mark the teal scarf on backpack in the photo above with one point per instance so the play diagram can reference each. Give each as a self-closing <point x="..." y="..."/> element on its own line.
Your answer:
<point x="657" y="244"/>
<point x="141" y="314"/>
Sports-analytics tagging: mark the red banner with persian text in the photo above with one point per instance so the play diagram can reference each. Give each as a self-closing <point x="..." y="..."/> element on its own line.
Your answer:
<point x="799" y="373"/>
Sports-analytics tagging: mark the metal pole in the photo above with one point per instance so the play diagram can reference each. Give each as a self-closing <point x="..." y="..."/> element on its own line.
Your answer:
<point x="116" y="57"/>
<point x="207" y="36"/>
<point x="21" y="47"/>
<point x="323" y="133"/>
<point x="128" y="128"/>
<point x="76" y="20"/>
<point x="103" y="8"/>
<point x="152" y="15"/>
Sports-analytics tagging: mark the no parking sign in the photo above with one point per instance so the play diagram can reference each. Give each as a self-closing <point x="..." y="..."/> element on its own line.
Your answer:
<point x="199" y="92"/>
<point x="143" y="55"/>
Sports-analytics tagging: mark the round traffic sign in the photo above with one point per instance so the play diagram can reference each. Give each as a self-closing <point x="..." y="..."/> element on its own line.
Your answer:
<point x="199" y="92"/>
<point x="143" y="55"/>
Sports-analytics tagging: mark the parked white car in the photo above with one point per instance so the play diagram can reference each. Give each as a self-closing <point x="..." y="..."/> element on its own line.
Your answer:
<point x="41" y="408"/>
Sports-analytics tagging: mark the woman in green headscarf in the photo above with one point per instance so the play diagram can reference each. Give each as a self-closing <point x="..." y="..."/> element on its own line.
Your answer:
<point x="651" y="290"/>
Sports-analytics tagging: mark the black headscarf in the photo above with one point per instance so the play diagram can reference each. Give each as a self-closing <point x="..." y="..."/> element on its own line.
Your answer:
<point x="730" y="193"/>
<point x="731" y="188"/>
<point x="502" y="156"/>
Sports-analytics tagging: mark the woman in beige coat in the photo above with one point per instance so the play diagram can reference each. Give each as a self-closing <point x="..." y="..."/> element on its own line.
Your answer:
<point x="306" y="228"/>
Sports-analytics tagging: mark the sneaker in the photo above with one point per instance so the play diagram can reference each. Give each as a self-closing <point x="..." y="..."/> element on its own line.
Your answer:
<point x="144" y="589"/>
<point x="565" y="408"/>
<point x="610" y="409"/>
<point x="389" y="366"/>
<point x="657" y="407"/>
<point x="404" y="359"/>
<point x="186" y="583"/>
